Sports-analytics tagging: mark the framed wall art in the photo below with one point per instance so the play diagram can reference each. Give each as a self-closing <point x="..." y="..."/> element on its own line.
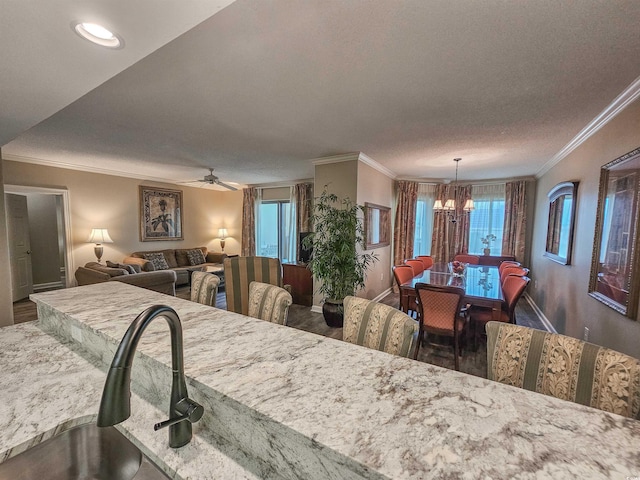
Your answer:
<point x="377" y="224"/>
<point x="160" y="214"/>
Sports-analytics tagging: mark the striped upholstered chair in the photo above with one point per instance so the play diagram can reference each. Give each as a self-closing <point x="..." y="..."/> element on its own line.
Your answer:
<point x="268" y="302"/>
<point x="204" y="288"/>
<point x="378" y="326"/>
<point x="563" y="367"/>
<point x="239" y="272"/>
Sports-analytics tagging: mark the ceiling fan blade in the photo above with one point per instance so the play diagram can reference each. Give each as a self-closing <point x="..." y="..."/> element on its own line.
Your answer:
<point x="226" y="186"/>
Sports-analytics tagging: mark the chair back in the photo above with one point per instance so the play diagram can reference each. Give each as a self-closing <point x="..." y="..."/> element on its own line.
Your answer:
<point x="512" y="288"/>
<point x="513" y="270"/>
<point x="204" y="288"/>
<point x="439" y="307"/>
<point x="378" y="326"/>
<point x="269" y="302"/>
<point x="470" y="259"/>
<point x="417" y="265"/>
<point x="426" y="260"/>
<point x="239" y="272"/>
<point x="507" y="263"/>
<point x="563" y="367"/>
<point x="403" y="274"/>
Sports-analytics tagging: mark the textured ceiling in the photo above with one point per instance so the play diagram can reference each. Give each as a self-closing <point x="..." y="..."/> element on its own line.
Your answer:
<point x="261" y="88"/>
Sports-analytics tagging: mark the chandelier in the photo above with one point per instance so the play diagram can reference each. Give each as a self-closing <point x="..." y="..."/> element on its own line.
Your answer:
<point x="449" y="206"/>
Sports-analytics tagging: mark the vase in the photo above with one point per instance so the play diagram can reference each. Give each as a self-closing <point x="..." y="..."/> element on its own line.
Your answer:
<point x="333" y="311"/>
<point x="487" y="251"/>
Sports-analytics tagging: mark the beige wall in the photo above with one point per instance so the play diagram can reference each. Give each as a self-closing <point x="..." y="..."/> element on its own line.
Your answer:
<point x="6" y="300"/>
<point x="113" y="202"/>
<point x="375" y="187"/>
<point x="561" y="291"/>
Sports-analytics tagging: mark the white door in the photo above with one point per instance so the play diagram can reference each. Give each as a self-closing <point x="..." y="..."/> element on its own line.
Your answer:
<point x="19" y="246"/>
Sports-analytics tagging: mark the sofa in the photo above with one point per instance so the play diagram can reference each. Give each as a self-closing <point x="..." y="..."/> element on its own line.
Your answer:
<point x="183" y="261"/>
<point x="94" y="272"/>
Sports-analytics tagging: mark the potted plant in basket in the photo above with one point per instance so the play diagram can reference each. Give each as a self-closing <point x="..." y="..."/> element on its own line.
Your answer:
<point x="337" y="260"/>
<point x="487" y="241"/>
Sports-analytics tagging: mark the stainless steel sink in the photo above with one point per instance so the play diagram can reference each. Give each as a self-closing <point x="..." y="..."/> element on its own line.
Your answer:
<point x="84" y="452"/>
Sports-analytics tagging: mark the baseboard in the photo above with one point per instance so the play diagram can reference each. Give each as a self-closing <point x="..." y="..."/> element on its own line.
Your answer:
<point x="545" y="321"/>
<point x="318" y="308"/>
<point x="43" y="287"/>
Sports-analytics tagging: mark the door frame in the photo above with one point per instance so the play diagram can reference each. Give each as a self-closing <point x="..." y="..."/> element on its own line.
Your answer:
<point x="68" y="255"/>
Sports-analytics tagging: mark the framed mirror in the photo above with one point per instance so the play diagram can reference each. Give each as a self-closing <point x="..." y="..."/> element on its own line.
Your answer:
<point x="377" y="224"/>
<point x="562" y="212"/>
<point x="614" y="265"/>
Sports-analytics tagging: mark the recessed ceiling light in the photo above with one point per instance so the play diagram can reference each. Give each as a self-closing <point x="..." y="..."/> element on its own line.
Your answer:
<point x="97" y="34"/>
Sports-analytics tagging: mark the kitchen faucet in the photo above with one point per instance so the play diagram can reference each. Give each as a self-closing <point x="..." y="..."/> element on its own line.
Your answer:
<point x="115" y="406"/>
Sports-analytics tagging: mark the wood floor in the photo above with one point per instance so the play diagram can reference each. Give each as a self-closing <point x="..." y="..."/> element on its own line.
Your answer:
<point x="473" y="360"/>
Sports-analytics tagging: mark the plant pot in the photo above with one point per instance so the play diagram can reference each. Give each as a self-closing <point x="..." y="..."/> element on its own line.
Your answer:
<point x="487" y="251"/>
<point x="333" y="311"/>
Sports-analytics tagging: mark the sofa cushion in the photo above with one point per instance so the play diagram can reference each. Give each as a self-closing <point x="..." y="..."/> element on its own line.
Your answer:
<point x="112" y="272"/>
<point x="128" y="268"/>
<point x="158" y="260"/>
<point x="183" y="259"/>
<point x="195" y="256"/>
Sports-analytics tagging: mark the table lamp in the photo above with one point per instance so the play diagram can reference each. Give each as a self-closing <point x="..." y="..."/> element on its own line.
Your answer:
<point x="222" y="233"/>
<point x="99" y="236"/>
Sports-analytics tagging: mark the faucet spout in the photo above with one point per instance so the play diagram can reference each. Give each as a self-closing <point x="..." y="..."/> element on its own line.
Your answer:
<point x="115" y="405"/>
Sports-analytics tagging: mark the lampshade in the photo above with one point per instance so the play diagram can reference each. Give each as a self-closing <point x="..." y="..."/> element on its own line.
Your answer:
<point x="222" y="232"/>
<point x="99" y="235"/>
<point x="469" y="206"/>
<point x="450" y="204"/>
<point x="438" y="205"/>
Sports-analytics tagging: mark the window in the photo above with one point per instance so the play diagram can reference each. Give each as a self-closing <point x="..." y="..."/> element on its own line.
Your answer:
<point x="424" y="219"/>
<point x="276" y="231"/>
<point x="487" y="218"/>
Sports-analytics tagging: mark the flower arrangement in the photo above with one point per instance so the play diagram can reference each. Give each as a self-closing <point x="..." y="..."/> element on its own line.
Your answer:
<point x="488" y="240"/>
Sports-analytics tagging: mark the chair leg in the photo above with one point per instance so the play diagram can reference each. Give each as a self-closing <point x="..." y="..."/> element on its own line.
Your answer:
<point x="456" y="350"/>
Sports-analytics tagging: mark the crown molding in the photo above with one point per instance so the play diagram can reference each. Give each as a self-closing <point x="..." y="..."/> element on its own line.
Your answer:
<point x="364" y="158"/>
<point x="284" y="183"/>
<point x="629" y="95"/>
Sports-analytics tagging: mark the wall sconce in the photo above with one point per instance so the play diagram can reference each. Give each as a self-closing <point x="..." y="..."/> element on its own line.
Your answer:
<point x="449" y="206"/>
<point x="222" y="233"/>
<point x="99" y="236"/>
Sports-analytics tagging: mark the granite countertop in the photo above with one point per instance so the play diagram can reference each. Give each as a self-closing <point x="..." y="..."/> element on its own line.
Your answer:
<point x="290" y="404"/>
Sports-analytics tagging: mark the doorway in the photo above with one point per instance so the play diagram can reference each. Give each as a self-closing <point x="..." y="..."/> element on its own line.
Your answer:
<point x="48" y="239"/>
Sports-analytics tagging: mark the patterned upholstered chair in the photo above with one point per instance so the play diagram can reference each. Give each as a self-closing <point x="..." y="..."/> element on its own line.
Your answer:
<point x="204" y="288"/>
<point x="239" y="272"/>
<point x="268" y="302"/>
<point x="403" y="275"/>
<point x="440" y="314"/>
<point x="378" y="326"/>
<point x="513" y="287"/>
<point x="470" y="259"/>
<point x="513" y="270"/>
<point x="417" y="265"/>
<point x="563" y="367"/>
<point x="507" y="263"/>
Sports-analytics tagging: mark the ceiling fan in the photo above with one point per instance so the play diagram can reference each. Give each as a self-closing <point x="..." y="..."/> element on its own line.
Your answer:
<point x="212" y="179"/>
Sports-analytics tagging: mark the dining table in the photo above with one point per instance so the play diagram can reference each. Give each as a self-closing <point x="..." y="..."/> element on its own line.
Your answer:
<point x="481" y="284"/>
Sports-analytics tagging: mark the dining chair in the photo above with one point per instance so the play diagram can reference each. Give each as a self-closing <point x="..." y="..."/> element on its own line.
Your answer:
<point x="512" y="287"/>
<point x="403" y="275"/>
<point x="507" y="263"/>
<point x="465" y="258"/>
<point x="439" y="310"/>
<point x="379" y="326"/>
<point x="239" y="272"/>
<point x="269" y="302"/>
<point x="427" y="261"/>
<point x="417" y="265"/>
<point x="563" y="367"/>
<point x="204" y="288"/>
<point x="513" y="270"/>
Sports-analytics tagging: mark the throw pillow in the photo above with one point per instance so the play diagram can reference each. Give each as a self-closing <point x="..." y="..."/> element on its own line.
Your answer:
<point x="157" y="260"/>
<point x="195" y="256"/>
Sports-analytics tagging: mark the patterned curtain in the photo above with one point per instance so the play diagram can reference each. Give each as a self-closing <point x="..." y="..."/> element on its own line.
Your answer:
<point x="515" y="219"/>
<point x="450" y="238"/>
<point x="249" y="196"/>
<point x="404" y="230"/>
<point x="304" y="203"/>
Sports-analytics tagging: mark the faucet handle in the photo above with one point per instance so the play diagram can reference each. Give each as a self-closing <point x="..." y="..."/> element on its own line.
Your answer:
<point x="187" y="410"/>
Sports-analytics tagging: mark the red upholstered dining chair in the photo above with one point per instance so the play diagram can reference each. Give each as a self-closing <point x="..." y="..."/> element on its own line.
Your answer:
<point x="513" y="270"/>
<point x="417" y="265"/>
<point x="470" y="259"/>
<point x="439" y="313"/>
<point x="512" y="287"/>
<point x="426" y="260"/>
<point x="507" y="263"/>
<point x="403" y="275"/>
